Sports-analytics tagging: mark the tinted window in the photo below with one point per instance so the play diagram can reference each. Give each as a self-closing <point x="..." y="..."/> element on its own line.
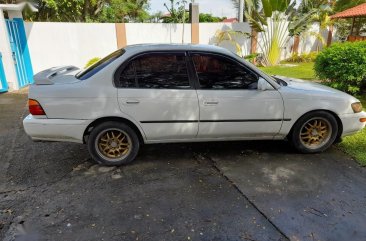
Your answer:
<point x="216" y="72"/>
<point x="95" y="68"/>
<point x="128" y="77"/>
<point x="156" y="71"/>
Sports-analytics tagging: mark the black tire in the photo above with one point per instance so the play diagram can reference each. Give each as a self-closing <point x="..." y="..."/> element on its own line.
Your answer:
<point x="338" y="140"/>
<point x="129" y="140"/>
<point x="301" y="134"/>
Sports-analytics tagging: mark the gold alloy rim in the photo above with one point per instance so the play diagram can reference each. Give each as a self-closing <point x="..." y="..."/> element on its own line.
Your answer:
<point x="315" y="133"/>
<point x="113" y="144"/>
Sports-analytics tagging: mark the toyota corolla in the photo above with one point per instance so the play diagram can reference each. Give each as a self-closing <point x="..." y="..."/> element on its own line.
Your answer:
<point x="145" y="94"/>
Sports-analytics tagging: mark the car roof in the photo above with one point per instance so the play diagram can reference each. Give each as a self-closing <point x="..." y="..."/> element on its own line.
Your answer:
<point x="177" y="47"/>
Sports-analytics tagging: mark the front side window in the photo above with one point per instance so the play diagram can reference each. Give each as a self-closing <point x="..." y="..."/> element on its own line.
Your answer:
<point x="156" y="71"/>
<point x="215" y="72"/>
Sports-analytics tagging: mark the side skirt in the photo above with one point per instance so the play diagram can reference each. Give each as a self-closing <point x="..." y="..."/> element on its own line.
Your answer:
<point x="278" y="137"/>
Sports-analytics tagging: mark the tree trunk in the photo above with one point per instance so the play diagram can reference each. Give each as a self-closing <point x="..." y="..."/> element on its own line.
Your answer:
<point x="330" y="35"/>
<point x="85" y="10"/>
<point x="295" y="48"/>
<point x="254" y="43"/>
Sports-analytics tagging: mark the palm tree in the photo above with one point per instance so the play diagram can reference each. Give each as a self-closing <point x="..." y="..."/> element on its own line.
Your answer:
<point x="273" y="22"/>
<point x="251" y="6"/>
<point x="230" y="36"/>
<point x="318" y="12"/>
<point x="177" y="13"/>
<point x="322" y="16"/>
<point x="301" y="22"/>
<point x="277" y="20"/>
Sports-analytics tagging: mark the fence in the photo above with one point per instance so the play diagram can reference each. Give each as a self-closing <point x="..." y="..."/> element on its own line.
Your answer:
<point x="54" y="44"/>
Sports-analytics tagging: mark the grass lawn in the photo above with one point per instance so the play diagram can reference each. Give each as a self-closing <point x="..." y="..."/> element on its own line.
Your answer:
<point x="354" y="145"/>
<point x="301" y="70"/>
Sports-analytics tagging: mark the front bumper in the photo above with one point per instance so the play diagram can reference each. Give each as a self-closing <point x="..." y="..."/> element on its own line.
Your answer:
<point x="351" y="123"/>
<point x="55" y="129"/>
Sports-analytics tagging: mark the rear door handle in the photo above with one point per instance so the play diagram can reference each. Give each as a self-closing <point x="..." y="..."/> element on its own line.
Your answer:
<point x="211" y="102"/>
<point x="132" y="102"/>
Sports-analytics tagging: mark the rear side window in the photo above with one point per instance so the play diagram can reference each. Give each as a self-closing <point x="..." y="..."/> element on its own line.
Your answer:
<point x="156" y="71"/>
<point x="95" y="68"/>
<point x="216" y="72"/>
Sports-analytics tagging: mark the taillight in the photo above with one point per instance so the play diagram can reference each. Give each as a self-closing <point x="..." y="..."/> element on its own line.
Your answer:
<point x="35" y="108"/>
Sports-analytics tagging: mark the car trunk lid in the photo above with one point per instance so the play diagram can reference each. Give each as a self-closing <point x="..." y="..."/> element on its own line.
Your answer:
<point x="57" y="75"/>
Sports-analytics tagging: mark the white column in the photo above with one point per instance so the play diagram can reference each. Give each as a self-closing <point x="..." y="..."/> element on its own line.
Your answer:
<point x="8" y="61"/>
<point x="15" y="14"/>
<point x="241" y="11"/>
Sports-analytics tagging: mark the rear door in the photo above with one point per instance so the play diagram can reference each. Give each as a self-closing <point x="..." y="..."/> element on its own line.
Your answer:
<point x="155" y="90"/>
<point x="231" y="106"/>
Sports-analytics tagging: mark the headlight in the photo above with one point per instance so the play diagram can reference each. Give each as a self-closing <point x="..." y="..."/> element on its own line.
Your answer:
<point x="357" y="107"/>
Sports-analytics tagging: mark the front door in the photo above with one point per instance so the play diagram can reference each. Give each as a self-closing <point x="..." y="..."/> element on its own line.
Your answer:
<point x="156" y="91"/>
<point x="230" y="104"/>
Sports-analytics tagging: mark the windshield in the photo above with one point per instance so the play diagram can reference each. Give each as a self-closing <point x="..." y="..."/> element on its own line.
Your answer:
<point x="95" y="68"/>
<point x="279" y="81"/>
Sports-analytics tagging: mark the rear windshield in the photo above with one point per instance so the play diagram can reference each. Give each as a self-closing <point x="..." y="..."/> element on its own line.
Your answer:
<point x="95" y="68"/>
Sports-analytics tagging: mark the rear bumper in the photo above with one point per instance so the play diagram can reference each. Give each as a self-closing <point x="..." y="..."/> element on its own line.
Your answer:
<point x="55" y="129"/>
<point x="351" y="123"/>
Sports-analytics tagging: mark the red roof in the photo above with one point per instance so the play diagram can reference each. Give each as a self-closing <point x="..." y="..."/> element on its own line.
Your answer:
<point x="230" y="20"/>
<point x="357" y="11"/>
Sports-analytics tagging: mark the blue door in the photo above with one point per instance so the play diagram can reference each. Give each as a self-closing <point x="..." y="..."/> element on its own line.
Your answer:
<point x="19" y="48"/>
<point x="3" y="83"/>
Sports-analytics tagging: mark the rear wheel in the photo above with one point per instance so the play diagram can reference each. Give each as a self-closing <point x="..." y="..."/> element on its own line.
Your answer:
<point x="113" y="144"/>
<point x="314" y="132"/>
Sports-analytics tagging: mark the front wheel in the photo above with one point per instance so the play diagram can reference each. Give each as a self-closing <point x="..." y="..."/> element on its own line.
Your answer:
<point x="113" y="144"/>
<point x="314" y="132"/>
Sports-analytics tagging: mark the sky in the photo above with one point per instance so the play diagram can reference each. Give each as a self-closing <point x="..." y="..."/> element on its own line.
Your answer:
<point x="219" y="8"/>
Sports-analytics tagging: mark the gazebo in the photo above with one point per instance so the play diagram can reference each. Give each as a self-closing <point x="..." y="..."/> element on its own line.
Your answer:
<point x="356" y="13"/>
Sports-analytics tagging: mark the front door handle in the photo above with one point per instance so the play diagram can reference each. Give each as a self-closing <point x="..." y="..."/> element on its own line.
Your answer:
<point x="132" y="102"/>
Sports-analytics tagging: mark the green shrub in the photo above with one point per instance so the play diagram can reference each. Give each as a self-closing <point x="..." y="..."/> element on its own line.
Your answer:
<point x="312" y="56"/>
<point x="302" y="58"/>
<point x="251" y="57"/>
<point x="343" y="66"/>
<point x="92" y="61"/>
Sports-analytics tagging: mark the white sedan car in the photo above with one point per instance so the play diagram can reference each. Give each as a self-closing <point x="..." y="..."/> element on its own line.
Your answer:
<point x="182" y="93"/>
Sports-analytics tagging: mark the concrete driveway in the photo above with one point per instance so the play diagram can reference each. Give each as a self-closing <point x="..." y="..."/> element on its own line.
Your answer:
<point x="212" y="191"/>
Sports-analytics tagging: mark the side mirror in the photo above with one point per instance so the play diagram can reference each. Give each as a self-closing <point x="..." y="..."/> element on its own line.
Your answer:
<point x="264" y="85"/>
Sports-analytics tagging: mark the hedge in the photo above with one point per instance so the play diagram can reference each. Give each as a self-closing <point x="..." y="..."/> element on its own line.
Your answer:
<point x="343" y="66"/>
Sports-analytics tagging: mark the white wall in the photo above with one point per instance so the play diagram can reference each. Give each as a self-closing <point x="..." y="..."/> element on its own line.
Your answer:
<point x="208" y="31"/>
<point x="309" y="43"/>
<point x="55" y="44"/>
<point x="138" y="33"/>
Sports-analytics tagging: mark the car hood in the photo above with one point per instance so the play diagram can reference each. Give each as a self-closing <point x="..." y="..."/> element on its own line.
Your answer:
<point x="300" y="84"/>
<point x="313" y="88"/>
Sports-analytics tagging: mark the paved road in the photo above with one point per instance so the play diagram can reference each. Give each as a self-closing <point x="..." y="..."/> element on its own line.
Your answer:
<point x="215" y="191"/>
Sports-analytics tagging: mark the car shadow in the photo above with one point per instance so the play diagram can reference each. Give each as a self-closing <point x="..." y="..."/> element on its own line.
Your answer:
<point x="266" y="146"/>
<point x="170" y="151"/>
